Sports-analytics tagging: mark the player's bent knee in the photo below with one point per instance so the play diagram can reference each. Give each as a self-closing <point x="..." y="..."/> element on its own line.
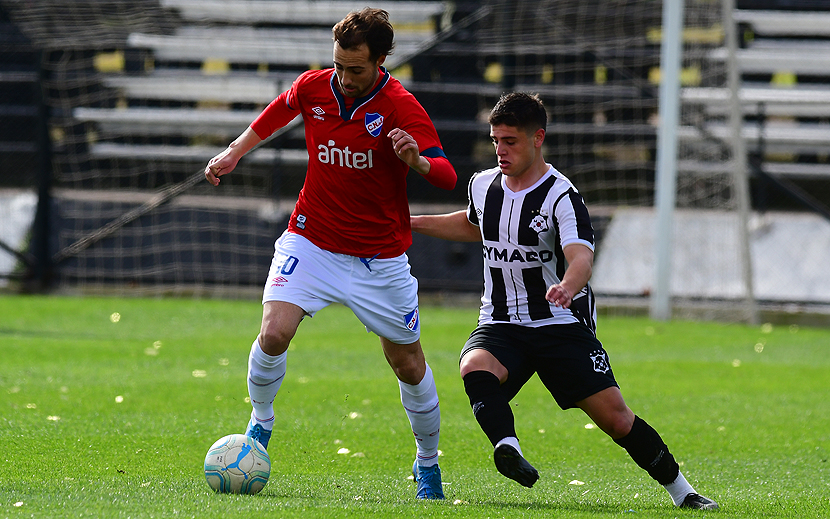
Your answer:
<point x="406" y="360"/>
<point x="482" y="360"/>
<point x="274" y="341"/>
<point x="409" y="371"/>
<point x="616" y="425"/>
<point x="408" y="368"/>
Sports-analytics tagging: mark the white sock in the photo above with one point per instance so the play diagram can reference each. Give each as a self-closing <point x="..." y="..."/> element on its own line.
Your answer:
<point x="265" y="374"/>
<point x="679" y="489"/>
<point x="513" y="442"/>
<point x="421" y="405"/>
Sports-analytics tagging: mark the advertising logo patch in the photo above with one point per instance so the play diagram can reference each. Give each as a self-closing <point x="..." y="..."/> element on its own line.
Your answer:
<point x="411" y="320"/>
<point x="374" y="123"/>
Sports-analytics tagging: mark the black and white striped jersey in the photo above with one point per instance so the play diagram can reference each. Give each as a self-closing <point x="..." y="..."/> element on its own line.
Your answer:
<point x="523" y="235"/>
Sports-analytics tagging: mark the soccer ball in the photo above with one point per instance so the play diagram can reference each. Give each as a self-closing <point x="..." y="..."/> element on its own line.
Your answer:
<point x="237" y="464"/>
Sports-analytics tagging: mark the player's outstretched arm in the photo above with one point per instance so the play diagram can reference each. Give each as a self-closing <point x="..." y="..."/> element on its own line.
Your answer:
<point x="451" y="226"/>
<point x="580" y="267"/>
<point x="226" y="161"/>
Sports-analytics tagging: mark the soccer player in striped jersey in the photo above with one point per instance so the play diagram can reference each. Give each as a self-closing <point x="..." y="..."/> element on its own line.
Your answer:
<point x="347" y="237"/>
<point x="537" y="311"/>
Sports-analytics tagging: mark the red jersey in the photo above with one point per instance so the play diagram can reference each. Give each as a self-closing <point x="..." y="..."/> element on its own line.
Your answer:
<point x="354" y="198"/>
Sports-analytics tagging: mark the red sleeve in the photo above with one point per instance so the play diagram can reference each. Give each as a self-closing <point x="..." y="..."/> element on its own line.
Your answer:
<point x="275" y="116"/>
<point x="441" y="173"/>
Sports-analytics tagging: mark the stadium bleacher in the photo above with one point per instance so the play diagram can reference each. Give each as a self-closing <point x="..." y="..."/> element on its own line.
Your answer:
<point x="19" y="105"/>
<point x="784" y="60"/>
<point x="155" y="88"/>
<point x="216" y="70"/>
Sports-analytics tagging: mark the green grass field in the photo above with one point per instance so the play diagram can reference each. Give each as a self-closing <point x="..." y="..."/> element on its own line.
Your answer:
<point x="107" y="407"/>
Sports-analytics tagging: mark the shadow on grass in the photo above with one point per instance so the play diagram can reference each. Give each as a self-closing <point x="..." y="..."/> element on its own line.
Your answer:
<point x="590" y="508"/>
<point x="290" y="499"/>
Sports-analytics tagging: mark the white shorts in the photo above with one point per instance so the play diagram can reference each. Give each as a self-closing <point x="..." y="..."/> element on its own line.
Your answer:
<point x="381" y="292"/>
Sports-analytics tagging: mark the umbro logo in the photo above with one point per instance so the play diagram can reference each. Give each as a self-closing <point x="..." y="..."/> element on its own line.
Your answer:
<point x="279" y="281"/>
<point x="318" y="113"/>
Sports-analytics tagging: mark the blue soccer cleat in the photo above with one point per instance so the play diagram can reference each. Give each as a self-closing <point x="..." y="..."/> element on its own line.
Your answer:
<point x="429" y="481"/>
<point x="259" y="433"/>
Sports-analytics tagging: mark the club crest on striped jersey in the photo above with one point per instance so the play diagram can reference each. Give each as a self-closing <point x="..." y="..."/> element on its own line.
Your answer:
<point x="374" y="123"/>
<point x="411" y="320"/>
<point x="540" y="222"/>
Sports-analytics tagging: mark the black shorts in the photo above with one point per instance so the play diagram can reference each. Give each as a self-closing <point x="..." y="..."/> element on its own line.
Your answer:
<point x="570" y="360"/>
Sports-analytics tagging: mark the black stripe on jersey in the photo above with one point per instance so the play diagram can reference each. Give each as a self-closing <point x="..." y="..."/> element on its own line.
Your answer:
<point x="536" y="287"/>
<point x="530" y="209"/>
<point x="584" y="308"/>
<point x="584" y="230"/>
<point x="557" y="246"/>
<point x="498" y="295"/>
<point x="492" y="209"/>
<point x="472" y="212"/>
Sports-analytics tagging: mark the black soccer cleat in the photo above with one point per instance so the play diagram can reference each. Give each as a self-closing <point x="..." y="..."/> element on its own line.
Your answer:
<point x="698" y="502"/>
<point x="511" y="464"/>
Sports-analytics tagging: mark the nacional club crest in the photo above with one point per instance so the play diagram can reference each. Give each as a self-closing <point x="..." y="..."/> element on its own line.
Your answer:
<point x="600" y="360"/>
<point x="411" y="320"/>
<point x="374" y="123"/>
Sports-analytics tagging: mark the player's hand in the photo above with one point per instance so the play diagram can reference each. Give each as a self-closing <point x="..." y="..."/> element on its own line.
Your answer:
<point x="405" y="147"/>
<point x="559" y="296"/>
<point x="219" y="165"/>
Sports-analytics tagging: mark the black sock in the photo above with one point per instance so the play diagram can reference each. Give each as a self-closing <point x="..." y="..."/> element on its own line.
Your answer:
<point x="490" y="406"/>
<point x="649" y="452"/>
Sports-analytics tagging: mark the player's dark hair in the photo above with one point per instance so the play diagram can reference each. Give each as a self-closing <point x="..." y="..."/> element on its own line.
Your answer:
<point x="369" y="26"/>
<point x="519" y="110"/>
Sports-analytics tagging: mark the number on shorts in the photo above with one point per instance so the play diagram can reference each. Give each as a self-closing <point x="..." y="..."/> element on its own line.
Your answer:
<point x="289" y="265"/>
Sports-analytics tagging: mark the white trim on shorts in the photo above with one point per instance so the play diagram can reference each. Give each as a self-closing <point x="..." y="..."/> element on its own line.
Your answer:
<point x="382" y="293"/>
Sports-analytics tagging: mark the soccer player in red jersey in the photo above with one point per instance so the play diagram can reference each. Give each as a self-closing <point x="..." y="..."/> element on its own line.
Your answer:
<point x="347" y="237"/>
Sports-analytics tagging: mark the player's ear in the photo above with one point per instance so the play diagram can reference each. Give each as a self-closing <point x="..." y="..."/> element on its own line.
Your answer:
<point x="539" y="137"/>
<point x="380" y="61"/>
